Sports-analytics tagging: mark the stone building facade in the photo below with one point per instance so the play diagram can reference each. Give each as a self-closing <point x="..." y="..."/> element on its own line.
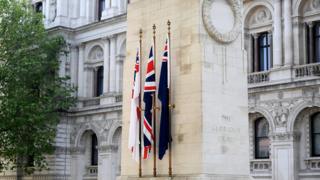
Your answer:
<point x="282" y="44"/>
<point x="88" y="138"/>
<point x="283" y="64"/>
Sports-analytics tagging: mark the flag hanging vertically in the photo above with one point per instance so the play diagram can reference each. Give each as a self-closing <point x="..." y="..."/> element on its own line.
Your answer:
<point x="149" y="91"/>
<point x="135" y="115"/>
<point x="163" y="95"/>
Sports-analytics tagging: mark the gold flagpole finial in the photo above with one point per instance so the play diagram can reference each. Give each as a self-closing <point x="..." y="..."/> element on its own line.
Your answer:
<point x="154" y="28"/>
<point x="140" y="33"/>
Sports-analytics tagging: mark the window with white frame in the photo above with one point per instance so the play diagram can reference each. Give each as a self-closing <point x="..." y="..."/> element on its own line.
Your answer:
<point x="262" y="141"/>
<point x="315" y="135"/>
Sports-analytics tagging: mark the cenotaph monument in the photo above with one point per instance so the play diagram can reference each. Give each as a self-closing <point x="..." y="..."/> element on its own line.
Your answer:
<point x="209" y="123"/>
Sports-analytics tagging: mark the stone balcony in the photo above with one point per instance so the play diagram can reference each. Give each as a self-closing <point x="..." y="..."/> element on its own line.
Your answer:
<point x="261" y="168"/>
<point x="98" y="101"/>
<point x="285" y="74"/>
<point x="91" y="173"/>
<point x="313" y="163"/>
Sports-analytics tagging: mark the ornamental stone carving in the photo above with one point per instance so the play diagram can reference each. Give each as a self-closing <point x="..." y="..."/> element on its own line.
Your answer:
<point x="212" y="8"/>
<point x="261" y="15"/>
<point x="280" y="110"/>
<point x="286" y="136"/>
<point x="312" y="5"/>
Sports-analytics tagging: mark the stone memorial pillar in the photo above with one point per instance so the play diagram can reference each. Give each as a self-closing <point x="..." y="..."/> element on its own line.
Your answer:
<point x="209" y="84"/>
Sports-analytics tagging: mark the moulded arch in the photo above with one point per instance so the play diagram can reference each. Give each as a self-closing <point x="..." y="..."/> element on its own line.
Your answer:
<point x="265" y="114"/>
<point x="91" y="46"/>
<point x="295" y="113"/>
<point x="121" y="45"/>
<point x="83" y="130"/>
<point x="116" y="138"/>
<point x="297" y="7"/>
<point x="115" y="126"/>
<point x="254" y="4"/>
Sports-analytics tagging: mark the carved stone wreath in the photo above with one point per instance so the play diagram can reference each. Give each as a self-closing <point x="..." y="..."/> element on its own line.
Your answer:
<point x="212" y="30"/>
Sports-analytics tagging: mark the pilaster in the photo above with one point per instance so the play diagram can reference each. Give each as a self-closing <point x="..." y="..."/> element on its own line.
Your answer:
<point x="277" y="35"/>
<point x="288" y="38"/>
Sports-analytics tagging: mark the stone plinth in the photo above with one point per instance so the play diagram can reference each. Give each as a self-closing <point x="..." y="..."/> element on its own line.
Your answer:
<point x="210" y="121"/>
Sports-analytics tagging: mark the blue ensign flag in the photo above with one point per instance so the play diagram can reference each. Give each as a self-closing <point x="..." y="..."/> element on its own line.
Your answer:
<point x="163" y="95"/>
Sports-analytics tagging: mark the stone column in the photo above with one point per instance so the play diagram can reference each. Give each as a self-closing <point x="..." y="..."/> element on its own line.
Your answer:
<point x="249" y="44"/>
<point x="256" y="52"/>
<point x="288" y="38"/>
<point x="114" y="3"/>
<point x="81" y="71"/>
<point x="105" y="171"/>
<point x="106" y="67"/>
<point x="74" y="65"/>
<point x="283" y="166"/>
<point x="277" y="35"/>
<point x="112" y="72"/>
<point x="82" y="11"/>
<point x="77" y="163"/>
<point x="271" y="52"/>
<point x="47" y="11"/>
<point x="310" y="36"/>
<point x="62" y="65"/>
<point x="119" y="67"/>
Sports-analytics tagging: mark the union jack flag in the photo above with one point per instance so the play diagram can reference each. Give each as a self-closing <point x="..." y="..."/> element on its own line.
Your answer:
<point x="149" y="92"/>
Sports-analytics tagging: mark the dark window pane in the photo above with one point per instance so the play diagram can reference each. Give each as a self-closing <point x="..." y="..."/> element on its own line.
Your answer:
<point x="39" y="7"/>
<point x="317" y="49"/>
<point x="94" y="150"/>
<point x="316" y="124"/>
<point x="262" y="128"/>
<point x="264" y="52"/>
<point x="317" y="30"/>
<point x="263" y="148"/>
<point x="101" y="8"/>
<point x="316" y="145"/>
<point x="99" y="87"/>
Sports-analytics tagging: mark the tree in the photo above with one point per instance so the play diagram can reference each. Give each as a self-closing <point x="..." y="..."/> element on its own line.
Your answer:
<point x="32" y="95"/>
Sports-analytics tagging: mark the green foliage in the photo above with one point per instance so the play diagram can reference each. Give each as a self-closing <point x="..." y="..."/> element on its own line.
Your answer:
<point x="32" y="95"/>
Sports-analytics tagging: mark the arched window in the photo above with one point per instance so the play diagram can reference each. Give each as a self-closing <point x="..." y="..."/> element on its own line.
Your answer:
<point x="264" y="51"/>
<point x="262" y="141"/>
<point x="315" y="135"/>
<point x="94" y="150"/>
<point x="99" y="85"/>
<point x="101" y="7"/>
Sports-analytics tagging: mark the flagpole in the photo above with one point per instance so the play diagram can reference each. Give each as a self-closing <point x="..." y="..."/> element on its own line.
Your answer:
<point x="140" y="137"/>
<point x="154" y="108"/>
<point x="169" y="98"/>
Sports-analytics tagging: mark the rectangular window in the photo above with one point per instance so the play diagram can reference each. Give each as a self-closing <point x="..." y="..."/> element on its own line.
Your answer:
<point x="94" y="150"/>
<point x="315" y="135"/>
<point x="264" y="52"/>
<point x="101" y="7"/>
<point x="99" y="80"/>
